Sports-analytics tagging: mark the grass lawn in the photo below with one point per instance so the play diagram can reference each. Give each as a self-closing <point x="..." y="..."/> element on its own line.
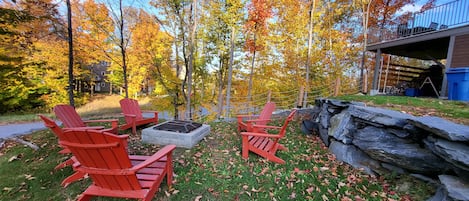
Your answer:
<point x="456" y="111"/>
<point x="215" y="170"/>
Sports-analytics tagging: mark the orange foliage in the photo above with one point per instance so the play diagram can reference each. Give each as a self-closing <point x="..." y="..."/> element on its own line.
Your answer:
<point x="259" y="11"/>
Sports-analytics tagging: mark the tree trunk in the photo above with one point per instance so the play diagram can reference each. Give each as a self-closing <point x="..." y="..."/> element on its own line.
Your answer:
<point x="220" y="98"/>
<point x="252" y="71"/>
<point x="308" y="57"/>
<point x="363" y="78"/>
<point x="191" y="58"/>
<point x="122" y="47"/>
<point x="70" y="54"/>
<point x="230" y="72"/>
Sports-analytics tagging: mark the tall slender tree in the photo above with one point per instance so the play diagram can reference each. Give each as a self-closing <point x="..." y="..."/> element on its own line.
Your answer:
<point x="256" y="26"/>
<point x="308" y="56"/>
<point x="70" y="54"/>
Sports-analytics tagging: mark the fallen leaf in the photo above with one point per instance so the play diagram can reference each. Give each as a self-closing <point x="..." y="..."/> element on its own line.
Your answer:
<point x="29" y="177"/>
<point x="341" y="184"/>
<point x="297" y="170"/>
<point x="310" y="190"/>
<point x="198" y="198"/>
<point x="345" y="199"/>
<point x="324" y="198"/>
<point x="7" y="189"/>
<point x="12" y="158"/>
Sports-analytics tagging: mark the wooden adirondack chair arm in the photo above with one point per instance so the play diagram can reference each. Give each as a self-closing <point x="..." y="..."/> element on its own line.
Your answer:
<point x="259" y="134"/>
<point x="258" y="120"/>
<point x="150" y="111"/>
<point x="114" y="122"/>
<point x="155" y="157"/>
<point x="129" y="115"/>
<point x="85" y="128"/>
<point x="267" y="127"/>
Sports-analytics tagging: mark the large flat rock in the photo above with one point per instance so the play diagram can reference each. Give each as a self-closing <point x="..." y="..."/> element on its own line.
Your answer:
<point x="456" y="188"/>
<point x="381" y="116"/>
<point x="456" y="153"/>
<point x="405" y="153"/>
<point x="354" y="156"/>
<point x="442" y="127"/>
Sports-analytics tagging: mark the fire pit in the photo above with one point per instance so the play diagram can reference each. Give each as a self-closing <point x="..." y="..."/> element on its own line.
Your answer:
<point x="180" y="133"/>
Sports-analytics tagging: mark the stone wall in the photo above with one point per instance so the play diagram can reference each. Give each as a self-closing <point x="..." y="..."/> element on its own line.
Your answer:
<point x="380" y="140"/>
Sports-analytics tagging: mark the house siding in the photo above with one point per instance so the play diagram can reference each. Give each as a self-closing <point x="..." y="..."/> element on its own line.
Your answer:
<point x="460" y="57"/>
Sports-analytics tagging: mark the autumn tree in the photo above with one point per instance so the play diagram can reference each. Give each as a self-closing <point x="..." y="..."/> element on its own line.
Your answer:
<point x="256" y="27"/>
<point x="181" y="19"/>
<point x="295" y="27"/>
<point x="25" y="26"/>
<point x="149" y="54"/>
<point x="220" y="23"/>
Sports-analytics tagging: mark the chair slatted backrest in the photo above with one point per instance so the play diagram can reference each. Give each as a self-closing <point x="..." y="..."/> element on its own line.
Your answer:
<point x="130" y="106"/>
<point x="285" y="125"/>
<point x="104" y="157"/>
<point x="69" y="116"/>
<point x="49" y="123"/>
<point x="266" y="113"/>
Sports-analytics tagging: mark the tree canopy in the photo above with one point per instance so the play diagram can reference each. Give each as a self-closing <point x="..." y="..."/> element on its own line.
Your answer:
<point x="175" y="46"/>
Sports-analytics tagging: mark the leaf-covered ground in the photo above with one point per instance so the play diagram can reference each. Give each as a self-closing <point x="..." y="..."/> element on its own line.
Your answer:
<point x="215" y="170"/>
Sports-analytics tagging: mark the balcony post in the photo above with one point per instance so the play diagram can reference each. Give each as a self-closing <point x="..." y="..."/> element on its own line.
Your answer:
<point x="374" y="87"/>
<point x="449" y="58"/>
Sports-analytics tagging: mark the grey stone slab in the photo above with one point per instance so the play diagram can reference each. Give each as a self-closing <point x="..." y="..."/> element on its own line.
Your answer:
<point x="440" y="195"/>
<point x="405" y="153"/>
<point x="456" y="153"/>
<point x="381" y="116"/>
<point x="456" y="188"/>
<point x="324" y="117"/>
<point x="354" y="156"/>
<point x="341" y="127"/>
<point x="443" y="128"/>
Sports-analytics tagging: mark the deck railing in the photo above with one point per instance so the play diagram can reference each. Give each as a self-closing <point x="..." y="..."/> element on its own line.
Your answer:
<point x="448" y="15"/>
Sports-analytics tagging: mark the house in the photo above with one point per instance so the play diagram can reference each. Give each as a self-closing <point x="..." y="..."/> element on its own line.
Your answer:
<point x="96" y="81"/>
<point x="440" y="34"/>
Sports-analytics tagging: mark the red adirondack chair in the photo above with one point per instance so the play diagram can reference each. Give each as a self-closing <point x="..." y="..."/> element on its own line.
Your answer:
<point x="114" y="173"/>
<point x="59" y="133"/>
<point x="265" y="144"/>
<point x="245" y="122"/>
<point x="133" y="115"/>
<point x="70" y="119"/>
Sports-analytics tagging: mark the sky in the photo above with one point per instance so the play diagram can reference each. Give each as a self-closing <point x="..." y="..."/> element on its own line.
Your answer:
<point x="419" y="4"/>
